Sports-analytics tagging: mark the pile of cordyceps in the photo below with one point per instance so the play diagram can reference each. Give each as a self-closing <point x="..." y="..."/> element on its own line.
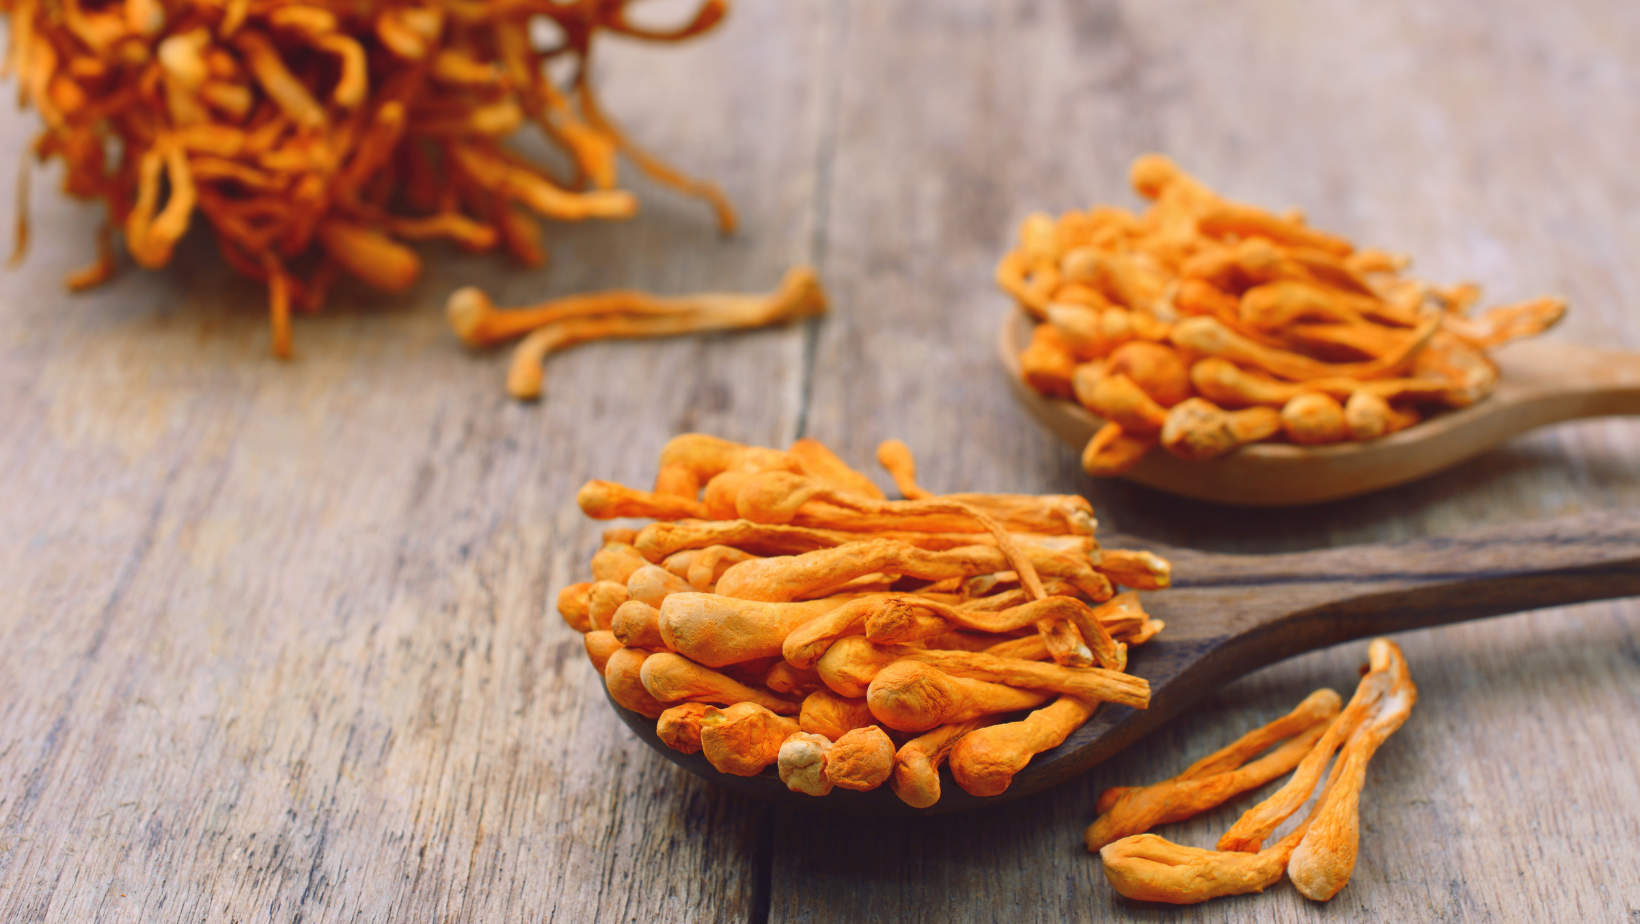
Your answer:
<point x="783" y="612"/>
<point x="351" y="126"/>
<point x="1203" y="325"/>
<point x="1318" y="855"/>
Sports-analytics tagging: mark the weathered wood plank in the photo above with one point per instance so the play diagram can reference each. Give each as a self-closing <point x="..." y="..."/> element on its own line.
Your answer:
<point x="278" y="641"/>
<point x="1442" y="132"/>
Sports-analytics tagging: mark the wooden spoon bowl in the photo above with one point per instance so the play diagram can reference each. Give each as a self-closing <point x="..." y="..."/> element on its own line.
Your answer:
<point x="1541" y="383"/>
<point x="1229" y="615"/>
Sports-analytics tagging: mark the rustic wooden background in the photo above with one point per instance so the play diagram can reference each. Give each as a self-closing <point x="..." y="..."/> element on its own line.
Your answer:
<point x="277" y="643"/>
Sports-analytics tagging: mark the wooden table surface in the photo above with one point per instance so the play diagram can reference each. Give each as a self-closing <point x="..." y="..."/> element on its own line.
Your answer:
<point x="277" y="640"/>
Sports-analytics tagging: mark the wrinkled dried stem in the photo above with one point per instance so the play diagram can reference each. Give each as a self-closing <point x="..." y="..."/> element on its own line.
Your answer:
<point x="798" y="297"/>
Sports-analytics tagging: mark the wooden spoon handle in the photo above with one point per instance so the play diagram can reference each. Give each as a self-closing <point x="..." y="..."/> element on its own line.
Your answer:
<point x="1548" y="381"/>
<point x="1261" y="609"/>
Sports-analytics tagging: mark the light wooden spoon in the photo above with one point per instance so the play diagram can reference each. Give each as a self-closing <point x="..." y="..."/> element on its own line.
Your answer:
<point x="1541" y="383"/>
<point x="1229" y="615"/>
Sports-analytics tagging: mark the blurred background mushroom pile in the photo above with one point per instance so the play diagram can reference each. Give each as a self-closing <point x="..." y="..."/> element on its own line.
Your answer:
<point x="318" y="137"/>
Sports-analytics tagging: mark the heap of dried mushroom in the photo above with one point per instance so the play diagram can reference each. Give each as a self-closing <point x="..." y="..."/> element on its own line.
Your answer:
<point x="1318" y="855"/>
<point x="783" y="612"/>
<point x="317" y="137"/>
<point x="1204" y="324"/>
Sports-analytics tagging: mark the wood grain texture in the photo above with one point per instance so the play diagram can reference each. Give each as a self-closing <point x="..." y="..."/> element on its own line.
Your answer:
<point x="277" y="643"/>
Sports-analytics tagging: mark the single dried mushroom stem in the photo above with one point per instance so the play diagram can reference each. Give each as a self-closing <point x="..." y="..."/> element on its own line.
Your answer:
<point x="896" y="458"/>
<point x="615" y="561"/>
<point x="709" y="565"/>
<point x="790" y="577"/>
<point x="984" y="762"/>
<point x="802" y="763"/>
<point x="1136" y="569"/>
<point x="572" y="605"/>
<point x="917" y="763"/>
<point x="658" y="541"/>
<point x="1149" y="868"/>
<point x="623" y="676"/>
<point x="716" y="630"/>
<point x="690" y="460"/>
<point x="603" y="599"/>
<point x="1312" y="419"/>
<point x="637" y="625"/>
<point x="743" y="739"/>
<point x="600" y="644"/>
<point x="912" y="697"/>
<point x="821" y="464"/>
<point x="851" y="665"/>
<point x="826" y="713"/>
<point x="671" y="677"/>
<point x="369" y="255"/>
<point x="652" y="584"/>
<point x="1197" y="429"/>
<point x="1113" y="451"/>
<point x="783" y="678"/>
<point x="679" y="726"/>
<point x="798" y="297"/>
<point x="861" y="759"/>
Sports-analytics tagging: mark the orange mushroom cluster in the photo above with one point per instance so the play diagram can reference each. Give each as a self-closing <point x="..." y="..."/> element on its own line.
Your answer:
<point x="783" y="613"/>
<point x="317" y="137"/>
<point x="1203" y="325"/>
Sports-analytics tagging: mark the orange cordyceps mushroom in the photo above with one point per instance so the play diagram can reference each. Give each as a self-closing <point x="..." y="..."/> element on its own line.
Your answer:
<point x="782" y="611"/>
<point x="1202" y="325"/>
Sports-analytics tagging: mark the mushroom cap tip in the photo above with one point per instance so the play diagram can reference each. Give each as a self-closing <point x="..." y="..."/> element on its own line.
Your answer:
<point x="466" y="309"/>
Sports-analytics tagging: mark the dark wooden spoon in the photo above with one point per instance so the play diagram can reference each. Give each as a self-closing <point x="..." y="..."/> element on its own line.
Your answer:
<point x="1229" y="615"/>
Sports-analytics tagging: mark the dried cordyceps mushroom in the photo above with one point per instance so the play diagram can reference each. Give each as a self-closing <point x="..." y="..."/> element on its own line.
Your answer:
<point x="318" y="138"/>
<point x="1318" y="855"/>
<point x="802" y="763"/>
<point x="1323" y="861"/>
<point x="744" y="738"/>
<point x="1149" y="868"/>
<point x="943" y="615"/>
<point x="916" y="765"/>
<point x="985" y="761"/>
<point x="555" y="325"/>
<point x="1202" y="325"/>
<point x="1141" y="809"/>
<point x="680" y="725"/>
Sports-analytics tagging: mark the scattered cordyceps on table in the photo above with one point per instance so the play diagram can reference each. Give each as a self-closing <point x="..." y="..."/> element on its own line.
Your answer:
<point x="1318" y="855"/>
<point x="1203" y="325"/>
<point x="784" y="613"/>
<point x="353" y="126"/>
<point x="564" y="322"/>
